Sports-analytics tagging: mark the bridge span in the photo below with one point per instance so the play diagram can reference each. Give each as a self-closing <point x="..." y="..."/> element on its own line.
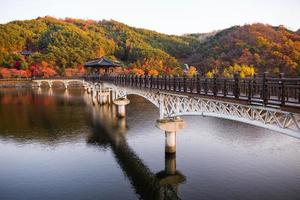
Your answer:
<point x="264" y="104"/>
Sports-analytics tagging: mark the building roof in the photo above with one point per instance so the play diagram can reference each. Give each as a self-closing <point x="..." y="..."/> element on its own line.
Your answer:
<point x="102" y="62"/>
<point x="26" y="52"/>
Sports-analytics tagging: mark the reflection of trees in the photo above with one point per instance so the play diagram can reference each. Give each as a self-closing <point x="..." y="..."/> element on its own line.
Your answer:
<point x="25" y="115"/>
<point x="110" y="131"/>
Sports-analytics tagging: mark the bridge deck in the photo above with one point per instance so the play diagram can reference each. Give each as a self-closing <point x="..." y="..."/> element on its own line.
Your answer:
<point x="283" y="93"/>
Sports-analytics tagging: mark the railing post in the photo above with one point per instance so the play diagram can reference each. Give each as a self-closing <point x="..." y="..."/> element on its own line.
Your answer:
<point x="165" y="82"/>
<point x="236" y="86"/>
<point x="215" y="85"/>
<point x="198" y="89"/>
<point x="225" y="88"/>
<point x="179" y="83"/>
<point x="145" y="81"/>
<point x="151" y="80"/>
<point x="184" y="83"/>
<point x="265" y="89"/>
<point x="249" y="90"/>
<point x="282" y="89"/>
<point x="205" y="86"/>
<point x="174" y="82"/>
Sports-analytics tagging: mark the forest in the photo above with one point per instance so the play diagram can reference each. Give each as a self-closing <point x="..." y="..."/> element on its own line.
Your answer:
<point x="60" y="47"/>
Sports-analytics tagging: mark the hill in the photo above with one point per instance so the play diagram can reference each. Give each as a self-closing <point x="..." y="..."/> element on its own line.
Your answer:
<point x="62" y="46"/>
<point x="267" y="48"/>
<point x="58" y="44"/>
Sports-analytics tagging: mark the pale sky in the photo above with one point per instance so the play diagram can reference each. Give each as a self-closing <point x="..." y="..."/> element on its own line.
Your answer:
<point x="166" y="16"/>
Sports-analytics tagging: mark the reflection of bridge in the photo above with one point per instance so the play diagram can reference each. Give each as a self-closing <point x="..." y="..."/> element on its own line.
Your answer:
<point x="108" y="130"/>
<point x="191" y="97"/>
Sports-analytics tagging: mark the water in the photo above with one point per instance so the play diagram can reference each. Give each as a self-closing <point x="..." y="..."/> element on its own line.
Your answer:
<point x="55" y="145"/>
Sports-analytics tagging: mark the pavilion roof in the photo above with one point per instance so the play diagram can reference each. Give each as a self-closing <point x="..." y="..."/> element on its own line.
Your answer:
<point x="26" y="52"/>
<point x="102" y="62"/>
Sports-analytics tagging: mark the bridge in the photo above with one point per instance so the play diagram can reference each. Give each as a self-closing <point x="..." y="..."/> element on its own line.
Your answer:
<point x="272" y="103"/>
<point x="63" y="81"/>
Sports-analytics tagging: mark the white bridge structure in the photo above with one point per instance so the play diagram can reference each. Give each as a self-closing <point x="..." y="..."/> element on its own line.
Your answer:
<point x="172" y="105"/>
<point x="64" y="81"/>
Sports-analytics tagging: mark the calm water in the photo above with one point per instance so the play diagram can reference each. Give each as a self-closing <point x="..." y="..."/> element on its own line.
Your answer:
<point x="56" y="145"/>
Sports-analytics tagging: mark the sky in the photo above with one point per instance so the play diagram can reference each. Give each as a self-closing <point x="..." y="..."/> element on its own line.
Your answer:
<point x="166" y="16"/>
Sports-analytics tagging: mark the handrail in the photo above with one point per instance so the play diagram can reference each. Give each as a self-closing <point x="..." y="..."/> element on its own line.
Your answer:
<point x="264" y="90"/>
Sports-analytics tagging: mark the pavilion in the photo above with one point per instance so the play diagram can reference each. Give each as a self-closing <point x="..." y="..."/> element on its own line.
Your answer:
<point x="102" y="65"/>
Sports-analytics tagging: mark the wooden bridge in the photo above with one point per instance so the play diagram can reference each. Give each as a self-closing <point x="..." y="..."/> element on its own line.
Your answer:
<point x="272" y="103"/>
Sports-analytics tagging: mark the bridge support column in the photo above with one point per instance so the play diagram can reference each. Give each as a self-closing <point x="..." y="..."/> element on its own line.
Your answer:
<point x="94" y="96"/>
<point x="50" y="84"/>
<point x="121" y="103"/>
<point x="66" y="85"/>
<point x="38" y="83"/>
<point x="170" y="126"/>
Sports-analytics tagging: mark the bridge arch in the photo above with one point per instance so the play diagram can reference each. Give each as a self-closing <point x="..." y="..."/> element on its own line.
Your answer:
<point x="172" y="105"/>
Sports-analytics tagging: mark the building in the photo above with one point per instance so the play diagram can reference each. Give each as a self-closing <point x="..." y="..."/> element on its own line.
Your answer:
<point x="102" y="66"/>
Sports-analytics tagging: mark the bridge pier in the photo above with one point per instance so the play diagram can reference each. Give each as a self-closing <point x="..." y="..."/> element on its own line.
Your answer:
<point x="103" y="97"/>
<point x="94" y="96"/>
<point x="66" y="85"/>
<point x="121" y="103"/>
<point x="171" y="126"/>
<point x="50" y="84"/>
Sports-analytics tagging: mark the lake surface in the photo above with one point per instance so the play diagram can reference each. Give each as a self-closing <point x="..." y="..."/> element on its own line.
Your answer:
<point x="55" y="144"/>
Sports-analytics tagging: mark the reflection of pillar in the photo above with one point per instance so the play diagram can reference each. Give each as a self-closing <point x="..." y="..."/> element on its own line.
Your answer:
<point x="121" y="103"/>
<point x="170" y="126"/>
<point x="50" y="91"/>
<point x="170" y="176"/>
<point x="170" y="164"/>
<point x="39" y="90"/>
<point x="66" y="93"/>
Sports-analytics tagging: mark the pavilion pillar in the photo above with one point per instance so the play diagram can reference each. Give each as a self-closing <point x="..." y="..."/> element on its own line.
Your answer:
<point x="170" y="126"/>
<point x="121" y="103"/>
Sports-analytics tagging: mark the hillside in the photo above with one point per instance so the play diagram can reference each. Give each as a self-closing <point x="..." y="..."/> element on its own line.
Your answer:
<point x="267" y="48"/>
<point x="59" y="44"/>
<point x="62" y="46"/>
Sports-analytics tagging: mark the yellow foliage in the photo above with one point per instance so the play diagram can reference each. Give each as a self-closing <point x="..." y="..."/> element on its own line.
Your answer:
<point x="192" y="71"/>
<point x="243" y="70"/>
<point x="209" y="74"/>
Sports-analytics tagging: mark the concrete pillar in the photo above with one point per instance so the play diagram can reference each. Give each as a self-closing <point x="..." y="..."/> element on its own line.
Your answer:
<point x="113" y="95"/>
<point x="50" y="84"/>
<point x="170" y="126"/>
<point x="39" y="83"/>
<point x="121" y="103"/>
<point x="170" y="141"/>
<point x="94" y="96"/>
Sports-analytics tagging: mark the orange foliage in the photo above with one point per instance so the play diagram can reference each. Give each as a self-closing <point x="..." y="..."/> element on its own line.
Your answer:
<point x="138" y="72"/>
<point x="153" y="72"/>
<point x="48" y="72"/>
<point x="5" y="73"/>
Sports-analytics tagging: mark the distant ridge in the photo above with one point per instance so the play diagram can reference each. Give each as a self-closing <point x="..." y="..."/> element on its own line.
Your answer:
<point x="67" y="43"/>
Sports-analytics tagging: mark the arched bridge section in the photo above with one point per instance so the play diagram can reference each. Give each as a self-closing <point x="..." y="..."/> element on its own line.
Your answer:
<point x="172" y="105"/>
<point x="65" y="81"/>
